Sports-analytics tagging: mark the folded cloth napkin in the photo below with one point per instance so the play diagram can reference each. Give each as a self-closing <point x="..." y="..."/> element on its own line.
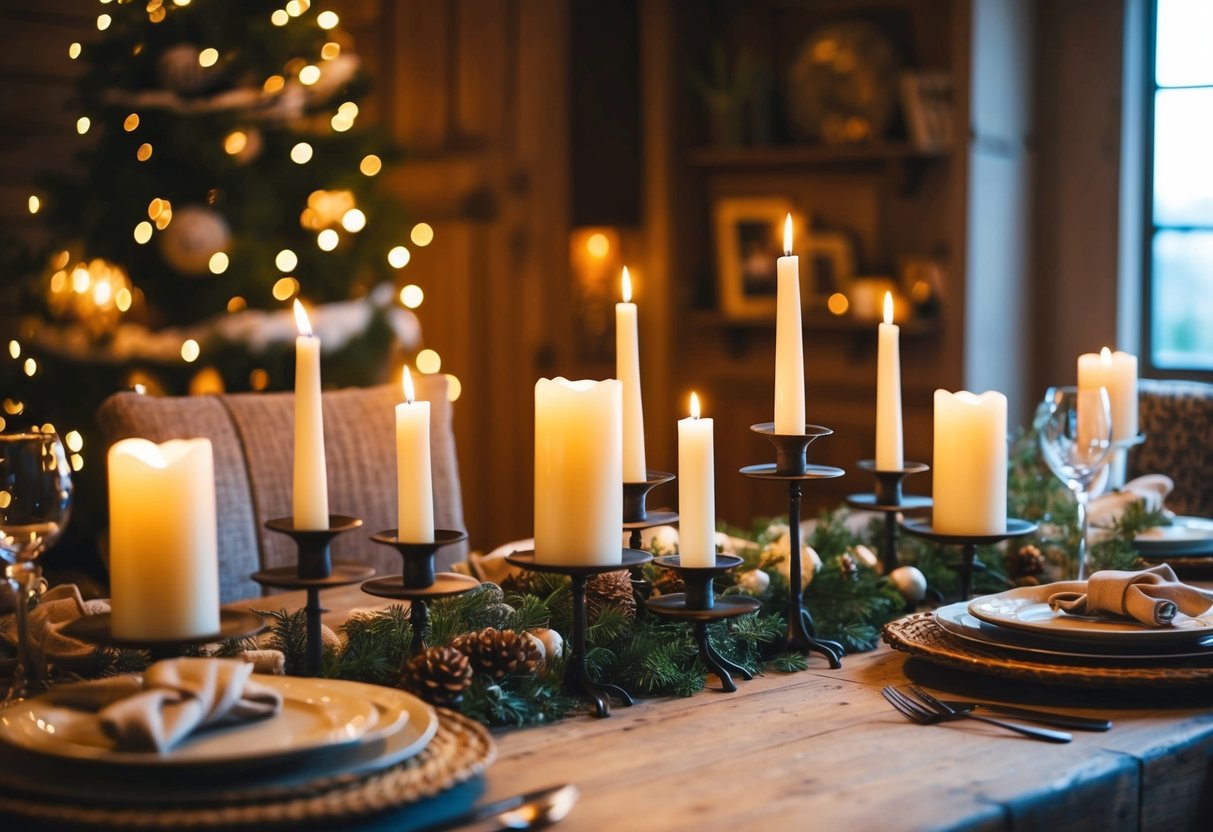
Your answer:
<point x="56" y="608"/>
<point x="1150" y="490"/>
<point x="175" y="698"/>
<point x="1152" y="596"/>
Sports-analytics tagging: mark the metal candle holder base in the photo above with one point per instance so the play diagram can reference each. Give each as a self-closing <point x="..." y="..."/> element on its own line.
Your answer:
<point x="314" y="571"/>
<point x="968" y="544"/>
<point x="418" y="583"/>
<point x="889" y="500"/>
<point x="791" y="467"/>
<point x="637" y="518"/>
<point x="577" y="676"/>
<point x="700" y="606"/>
<point x="98" y="629"/>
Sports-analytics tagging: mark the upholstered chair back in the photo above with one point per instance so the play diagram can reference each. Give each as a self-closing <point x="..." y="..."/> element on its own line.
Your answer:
<point x="1177" y="418"/>
<point x="253" y="439"/>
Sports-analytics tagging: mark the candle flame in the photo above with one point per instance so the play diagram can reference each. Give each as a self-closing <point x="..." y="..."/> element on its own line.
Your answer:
<point x="888" y="307"/>
<point x="406" y="379"/>
<point x="627" y="286"/>
<point x="787" y="235"/>
<point x="1105" y="356"/>
<point x="694" y="406"/>
<point x="301" y="319"/>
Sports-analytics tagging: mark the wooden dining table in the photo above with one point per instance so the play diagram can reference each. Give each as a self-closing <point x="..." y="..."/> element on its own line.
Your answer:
<point x="821" y="749"/>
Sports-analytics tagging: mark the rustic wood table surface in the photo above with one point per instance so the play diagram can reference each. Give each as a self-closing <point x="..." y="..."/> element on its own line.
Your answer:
<point x="823" y="750"/>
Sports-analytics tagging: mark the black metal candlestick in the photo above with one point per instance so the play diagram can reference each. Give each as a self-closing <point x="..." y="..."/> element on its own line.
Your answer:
<point x="792" y="467"/>
<point x="314" y="571"/>
<point x="889" y="500"/>
<point x="700" y="606"/>
<point x="98" y="629"/>
<point x="968" y="544"/>
<point x="418" y="583"/>
<point x="577" y="676"/>
<point x="637" y="518"/>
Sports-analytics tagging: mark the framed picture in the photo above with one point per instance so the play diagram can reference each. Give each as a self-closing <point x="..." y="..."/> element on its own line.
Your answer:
<point x="827" y="265"/>
<point x="926" y="100"/>
<point x="749" y="240"/>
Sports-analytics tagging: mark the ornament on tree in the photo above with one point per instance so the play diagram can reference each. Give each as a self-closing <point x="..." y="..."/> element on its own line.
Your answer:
<point x="195" y="233"/>
<point x="910" y="582"/>
<point x="610" y="589"/>
<point x="438" y="675"/>
<point x="498" y="653"/>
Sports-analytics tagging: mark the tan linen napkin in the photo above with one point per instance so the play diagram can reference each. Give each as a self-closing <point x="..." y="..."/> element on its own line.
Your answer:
<point x="56" y="608"/>
<point x="1151" y="490"/>
<point x="1152" y="596"/>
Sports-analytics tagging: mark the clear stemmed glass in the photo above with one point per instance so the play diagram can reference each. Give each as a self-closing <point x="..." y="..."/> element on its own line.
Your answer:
<point x="35" y="503"/>
<point x="1075" y="429"/>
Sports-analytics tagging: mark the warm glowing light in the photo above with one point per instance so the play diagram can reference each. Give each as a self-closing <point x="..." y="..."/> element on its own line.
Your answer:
<point x="301" y="319"/>
<point x="73" y="51"/>
<point x="35" y="204"/>
<point x="921" y="291"/>
<point x="218" y="263"/>
<point x="31" y="366"/>
<point x="309" y="75"/>
<point x="353" y="221"/>
<point x="181" y="2"/>
<point x="341" y="123"/>
<point x="280" y="17"/>
<point x="61" y="259"/>
<point x="453" y="387"/>
<point x="327" y="20"/>
<point x="77" y="462"/>
<point x="285" y="288"/>
<point x="103" y="292"/>
<point x="81" y="280"/>
<point x="888" y="307"/>
<point x="82" y="124"/>
<point x="258" y="379"/>
<point x="294" y="8"/>
<point x="406" y="381"/>
<point x="327" y="239"/>
<point x="13" y="407"/>
<point x="74" y="441"/>
<point x="14" y="349"/>
<point x="286" y="260"/>
<point x="694" y="406"/>
<point x="144" y="153"/>
<point x="627" y="286"/>
<point x="1105" y="357"/>
<point x="787" y="235"/>
<point x="143" y="232"/>
<point x="58" y="281"/>
<point x="348" y="109"/>
<point x="190" y="350"/>
<point x="122" y="299"/>
<point x="370" y="165"/>
<point x="412" y="296"/>
<point x="208" y="57"/>
<point x="838" y="304"/>
<point x="235" y="142"/>
<point x="428" y="362"/>
<point x="236" y="304"/>
<point x="398" y="257"/>
<point x="422" y="234"/>
<point x="131" y="122"/>
<point x="598" y="245"/>
<point x="104" y="21"/>
<point x="330" y="50"/>
<point x="156" y="207"/>
<point x="273" y="84"/>
<point x="301" y="153"/>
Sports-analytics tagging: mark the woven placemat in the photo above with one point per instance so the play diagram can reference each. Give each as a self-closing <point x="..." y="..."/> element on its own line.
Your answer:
<point x="461" y="749"/>
<point x="922" y="636"/>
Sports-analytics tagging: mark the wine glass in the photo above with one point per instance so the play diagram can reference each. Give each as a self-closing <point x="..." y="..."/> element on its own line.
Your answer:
<point x="35" y="503"/>
<point x="1075" y="429"/>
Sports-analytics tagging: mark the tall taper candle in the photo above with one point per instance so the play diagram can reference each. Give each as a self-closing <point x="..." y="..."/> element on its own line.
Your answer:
<point x="970" y="463"/>
<point x="789" y="344"/>
<point x="310" y="501"/>
<point x="889" y="453"/>
<point x="1117" y="371"/>
<point x="414" y="486"/>
<point x="164" y="550"/>
<point x="696" y="490"/>
<point x="578" y="471"/>
<point x="627" y="370"/>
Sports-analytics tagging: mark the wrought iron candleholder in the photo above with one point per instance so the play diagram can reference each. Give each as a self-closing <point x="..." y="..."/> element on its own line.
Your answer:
<point x="418" y="583"/>
<point x="577" y="676"/>
<point x="968" y="544"/>
<point x="700" y="606"/>
<point x="637" y="518"/>
<point x="792" y="467"/>
<point x="314" y="570"/>
<point x="889" y="500"/>
<point x="98" y="629"/>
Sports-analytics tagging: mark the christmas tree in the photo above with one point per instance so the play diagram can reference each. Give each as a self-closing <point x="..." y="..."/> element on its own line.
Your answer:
<point x="223" y="174"/>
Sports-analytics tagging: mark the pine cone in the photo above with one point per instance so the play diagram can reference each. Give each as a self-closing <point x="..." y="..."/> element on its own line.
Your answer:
<point x="499" y="652"/>
<point x="610" y="588"/>
<point x="1027" y="561"/>
<point x="438" y="675"/>
<point x="668" y="582"/>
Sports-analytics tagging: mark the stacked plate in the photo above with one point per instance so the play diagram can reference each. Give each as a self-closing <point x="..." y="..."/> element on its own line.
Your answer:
<point x="1188" y="541"/>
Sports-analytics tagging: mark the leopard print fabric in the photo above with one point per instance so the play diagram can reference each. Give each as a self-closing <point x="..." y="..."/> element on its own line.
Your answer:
<point x="1177" y="419"/>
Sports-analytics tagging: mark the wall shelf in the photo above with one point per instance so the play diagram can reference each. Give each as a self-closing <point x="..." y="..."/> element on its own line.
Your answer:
<point x="800" y="155"/>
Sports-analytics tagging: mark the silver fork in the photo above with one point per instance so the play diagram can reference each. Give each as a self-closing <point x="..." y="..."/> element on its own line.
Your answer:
<point x="1074" y="723"/>
<point x="924" y="715"/>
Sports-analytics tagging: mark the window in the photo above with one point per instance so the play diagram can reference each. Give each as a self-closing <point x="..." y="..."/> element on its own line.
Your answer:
<point x="1179" y="281"/>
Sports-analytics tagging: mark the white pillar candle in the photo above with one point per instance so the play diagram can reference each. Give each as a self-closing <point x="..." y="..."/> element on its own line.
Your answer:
<point x="970" y="465"/>
<point x="414" y="489"/>
<point x="1116" y="371"/>
<point x="889" y="453"/>
<point x="789" y="346"/>
<point x="578" y="471"/>
<point x="311" y="491"/>
<point x="696" y="490"/>
<point x="627" y="370"/>
<point x="164" y="550"/>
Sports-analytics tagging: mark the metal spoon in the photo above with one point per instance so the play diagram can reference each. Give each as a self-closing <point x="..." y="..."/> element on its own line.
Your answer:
<point x="533" y="810"/>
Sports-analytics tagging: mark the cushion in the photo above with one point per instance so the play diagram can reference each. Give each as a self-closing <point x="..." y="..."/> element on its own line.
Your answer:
<point x="1177" y="419"/>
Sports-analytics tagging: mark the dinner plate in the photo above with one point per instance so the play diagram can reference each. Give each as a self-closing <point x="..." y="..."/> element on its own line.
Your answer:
<point x="1186" y="536"/>
<point x="956" y="619"/>
<point x="1026" y="608"/>
<point x="315" y="716"/>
